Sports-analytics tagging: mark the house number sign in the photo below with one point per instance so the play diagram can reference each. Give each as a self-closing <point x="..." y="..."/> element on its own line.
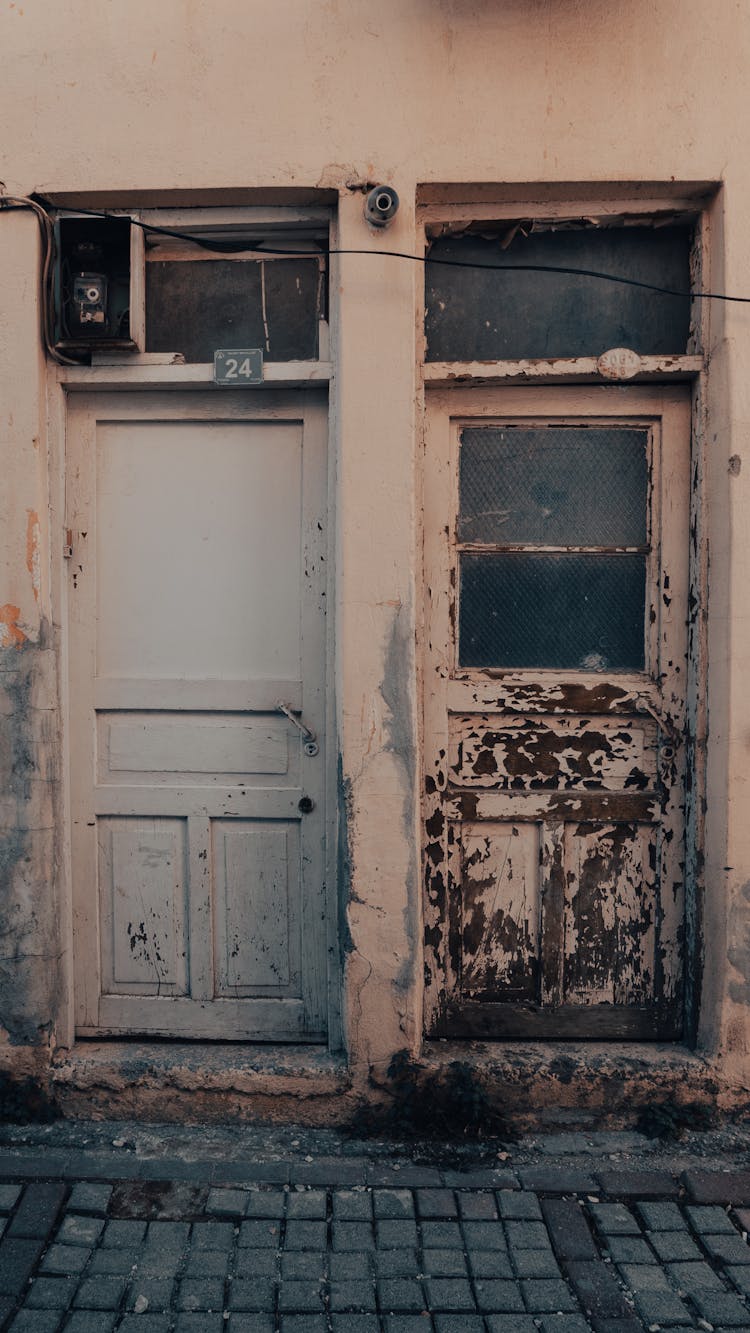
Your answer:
<point x="237" y="366"/>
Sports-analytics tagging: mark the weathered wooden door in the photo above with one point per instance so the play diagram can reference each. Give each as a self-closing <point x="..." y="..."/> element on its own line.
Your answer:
<point x="197" y="607"/>
<point x="556" y="585"/>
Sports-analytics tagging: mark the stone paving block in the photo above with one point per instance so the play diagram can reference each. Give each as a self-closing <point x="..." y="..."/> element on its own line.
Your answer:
<point x="352" y="1295"/>
<point x="630" y="1250"/>
<point x="50" y="1293"/>
<point x="407" y="1177"/>
<point x="535" y="1263"/>
<point x="256" y="1235"/>
<point x="9" y="1195"/>
<point x="644" y="1277"/>
<point x="65" y="1259"/>
<point x="149" y="1322"/>
<point x="247" y="1174"/>
<point x="511" y="1323"/>
<point x="614" y="1219"/>
<point x="304" y="1297"/>
<point x="481" y="1178"/>
<point x="722" y="1308"/>
<point x="484" y="1236"/>
<point x="441" y="1235"/>
<point x="251" y="1294"/>
<point x="492" y="1263"/>
<point x="157" y="1291"/>
<point x="444" y="1263"/>
<point x="727" y="1249"/>
<point x="350" y="1266"/>
<point x="597" y="1290"/>
<point x="296" y="1264"/>
<point x="123" y="1235"/>
<point x="396" y="1263"/>
<point x="91" y="1321"/>
<point x="718" y="1186"/>
<point x="710" y="1221"/>
<point x="303" y="1323"/>
<point x="36" y="1321"/>
<point x="246" y="1263"/>
<point x="394" y="1234"/>
<point x="557" y="1180"/>
<point x="496" y="1295"/>
<point x="740" y="1277"/>
<point x="694" y="1277"/>
<point x="352" y="1236"/>
<point x="220" y="1235"/>
<point x="355" y="1323"/>
<point x="17" y="1260"/>
<point x="660" y="1216"/>
<point x="518" y="1205"/>
<point x="205" y="1293"/>
<point x="226" y="1202"/>
<point x="113" y="1261"/>
<point x="325" y="1171"/>
<point x="352" y="1205"/>
<point x="76" y="1230"/>
<point x="86" y="1197"/>
<point x="675" y="1247"/>
<point x="743" y="1218"/>
<point x="446" y="1293"/>
<point x="100" y="1293"/>
<point x="309" y="1204"/>
<point x="547" y="1294"/>
<point x="265" y="1203"/>
<point x="564" y="1323"/>
<point x="568" y="1229"/>
<point x="168" y="1235"/>
<point x="527" y="1236"/>
<point x="241" y="1322"/>
<point x="662" y="1307"/>
<point x="37" y="1212"/>
<point x="459" y="1323"/>
<point x="638" y="1184"/>
<point x="477" y="1206"/>
<point x="393" y="1203"/>
<point x="400" y="1294"/>
<point x="406" y="1323"/>
<point x="436" y="1203"/>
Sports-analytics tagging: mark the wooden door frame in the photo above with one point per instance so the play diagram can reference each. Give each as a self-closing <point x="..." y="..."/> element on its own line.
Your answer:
<point x="528" y="402"/>
<point x="280" y="398"/>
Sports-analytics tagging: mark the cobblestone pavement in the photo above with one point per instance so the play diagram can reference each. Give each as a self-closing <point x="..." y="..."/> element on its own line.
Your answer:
<point x="94" y="1242"/>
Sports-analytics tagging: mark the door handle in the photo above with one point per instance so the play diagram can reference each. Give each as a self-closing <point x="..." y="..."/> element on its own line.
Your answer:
<point x="311" y="744"/>
<point x="662" y="722"/>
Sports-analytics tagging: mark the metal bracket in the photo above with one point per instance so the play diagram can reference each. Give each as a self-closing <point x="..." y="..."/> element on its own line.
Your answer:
<point x="311" y="744"/>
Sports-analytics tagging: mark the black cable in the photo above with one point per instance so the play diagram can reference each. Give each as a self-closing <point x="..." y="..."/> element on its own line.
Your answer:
<point x="227" y="247"/>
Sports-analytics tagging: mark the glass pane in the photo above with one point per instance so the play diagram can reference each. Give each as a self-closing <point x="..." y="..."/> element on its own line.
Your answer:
<point x="197" y="307"/>
<point x="577" y="612"/>
<point x="553" y="485"/>
<point x="476" y="314"/>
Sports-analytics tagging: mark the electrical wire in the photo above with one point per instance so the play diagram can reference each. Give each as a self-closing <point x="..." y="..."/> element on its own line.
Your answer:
<point x="11" y="203"/>
<point x="229" y="247"/>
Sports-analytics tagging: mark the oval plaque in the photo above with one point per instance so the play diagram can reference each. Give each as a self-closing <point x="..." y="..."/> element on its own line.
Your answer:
<point x="619" y="363"/>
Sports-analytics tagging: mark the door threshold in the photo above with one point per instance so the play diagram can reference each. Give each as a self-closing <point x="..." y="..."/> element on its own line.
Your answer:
<point x="197" y="1081"/>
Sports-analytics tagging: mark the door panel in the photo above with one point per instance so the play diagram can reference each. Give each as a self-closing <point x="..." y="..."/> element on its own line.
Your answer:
<point x="197" y="605"/>
<point x="556" y="575"/>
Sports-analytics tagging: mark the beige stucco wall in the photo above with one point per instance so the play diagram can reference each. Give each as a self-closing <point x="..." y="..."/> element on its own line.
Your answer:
<point x="118" y="98"/>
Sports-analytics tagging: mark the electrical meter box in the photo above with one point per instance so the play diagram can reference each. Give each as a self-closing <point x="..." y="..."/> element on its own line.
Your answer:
<point x="98" y="275"/>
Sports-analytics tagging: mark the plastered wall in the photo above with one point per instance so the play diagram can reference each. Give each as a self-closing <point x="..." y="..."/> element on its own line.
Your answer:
<point x="123" y="100"/>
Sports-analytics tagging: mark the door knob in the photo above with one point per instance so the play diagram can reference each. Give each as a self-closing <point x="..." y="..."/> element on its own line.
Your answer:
<point x="305" y="805"/>
<point x="311" y="744"/>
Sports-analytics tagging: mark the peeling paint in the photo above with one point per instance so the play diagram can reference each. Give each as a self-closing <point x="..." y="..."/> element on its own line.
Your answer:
<point x="33" y="561"/>
<point x="11" y="634"/>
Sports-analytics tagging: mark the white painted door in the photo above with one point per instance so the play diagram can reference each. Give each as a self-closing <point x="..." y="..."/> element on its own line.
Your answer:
<point x="196" y="606"/>
<point x="556" y="662"/>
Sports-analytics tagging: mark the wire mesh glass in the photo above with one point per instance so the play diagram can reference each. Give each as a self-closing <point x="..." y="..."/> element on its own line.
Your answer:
<point x="582" y="612"/>
<point x="553" y="485"/>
